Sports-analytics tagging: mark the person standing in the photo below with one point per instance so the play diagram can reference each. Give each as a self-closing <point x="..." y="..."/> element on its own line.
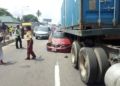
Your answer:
<point x="1" y="51"/>
<point x="4" y="28"/>
<point x="17" y="34"/>
<point x="22" y="32"/>
<point x="29" y="44"/>
<point x="10" y="30"/>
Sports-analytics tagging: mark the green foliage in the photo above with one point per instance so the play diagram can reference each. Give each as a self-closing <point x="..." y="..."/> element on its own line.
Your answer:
<point x="30" y="18"/>
<point x="4" y="12"/>
<point x="18" y="18"/>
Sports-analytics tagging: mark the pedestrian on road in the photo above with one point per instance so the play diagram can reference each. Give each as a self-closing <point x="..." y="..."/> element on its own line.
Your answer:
<point x="29" y="44"/>
<point x="53" y="29"/>
<point x="22" y="32"/>
<point x="10" y="30"/>
<point x="1" y="51"/>
<point x="4" y="28"/>
<point x="17" y="34"/>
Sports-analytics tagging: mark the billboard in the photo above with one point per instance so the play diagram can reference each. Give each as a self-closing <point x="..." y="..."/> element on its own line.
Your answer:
<point x="47" y="20"/>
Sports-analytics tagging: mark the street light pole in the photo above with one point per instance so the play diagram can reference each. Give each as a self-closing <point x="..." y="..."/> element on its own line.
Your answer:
<point x="22" y="12"/>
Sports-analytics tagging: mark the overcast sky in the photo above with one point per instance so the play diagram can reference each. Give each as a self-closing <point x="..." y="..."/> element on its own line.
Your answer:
<point x="49" y="8"/>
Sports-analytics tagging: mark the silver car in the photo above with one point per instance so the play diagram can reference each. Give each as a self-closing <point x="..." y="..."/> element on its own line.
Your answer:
<point x="42" y="32"/>
<point x="35" y="29"/>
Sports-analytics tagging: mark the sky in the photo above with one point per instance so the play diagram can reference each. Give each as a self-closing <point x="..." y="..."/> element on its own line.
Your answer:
<point x="50" y="9"/>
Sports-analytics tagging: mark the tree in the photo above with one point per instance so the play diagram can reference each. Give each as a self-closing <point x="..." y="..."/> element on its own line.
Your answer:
<point x="30" y="18"/>
<point x="34" y="19"/>
<point x="38" y="13"/>
<point x="18" y="18"/>
<point x="4" y="12"/>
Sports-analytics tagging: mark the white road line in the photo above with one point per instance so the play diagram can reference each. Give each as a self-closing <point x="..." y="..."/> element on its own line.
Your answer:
<point x="57" y="75"/>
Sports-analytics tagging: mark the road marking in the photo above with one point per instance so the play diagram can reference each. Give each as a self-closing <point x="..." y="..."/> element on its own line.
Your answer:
<point x="57" y="75"/>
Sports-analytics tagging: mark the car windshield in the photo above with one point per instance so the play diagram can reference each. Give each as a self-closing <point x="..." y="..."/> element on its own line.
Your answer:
<point x="57" y="29"/>
<point x="42" y="29"/>
<point x="35" y="28"/>
<point x="59" y="35"/>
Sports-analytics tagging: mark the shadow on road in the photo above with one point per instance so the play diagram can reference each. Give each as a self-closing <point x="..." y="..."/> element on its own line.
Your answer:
<point x="10" y="63"/>
<point x="26" y="66"/>
<point x="95" y="85"/>
<point x="42" y="39"/>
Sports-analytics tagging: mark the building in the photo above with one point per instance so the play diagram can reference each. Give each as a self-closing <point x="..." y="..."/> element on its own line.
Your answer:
<point x="9" y="21"/>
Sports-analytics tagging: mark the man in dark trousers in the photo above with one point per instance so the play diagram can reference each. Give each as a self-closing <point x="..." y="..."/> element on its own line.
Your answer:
<point x="22" y="30"/>
<point x="17" y="34"/>
<point x="4" y="27"/>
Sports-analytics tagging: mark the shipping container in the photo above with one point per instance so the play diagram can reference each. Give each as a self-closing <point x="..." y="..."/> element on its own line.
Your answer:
<point x="63" y="15"/>
<point x="94" y="28"/>
<point x="90" y="14"/>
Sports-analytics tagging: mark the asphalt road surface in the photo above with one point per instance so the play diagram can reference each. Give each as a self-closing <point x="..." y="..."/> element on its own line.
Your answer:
<point x="49" y="69"/>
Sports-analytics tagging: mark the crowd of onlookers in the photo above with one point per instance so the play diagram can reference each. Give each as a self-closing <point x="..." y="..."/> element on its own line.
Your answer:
<point x="19" y="34"/>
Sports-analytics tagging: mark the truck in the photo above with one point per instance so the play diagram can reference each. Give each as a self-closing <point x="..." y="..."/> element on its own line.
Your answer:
<point x="94" y="27"/>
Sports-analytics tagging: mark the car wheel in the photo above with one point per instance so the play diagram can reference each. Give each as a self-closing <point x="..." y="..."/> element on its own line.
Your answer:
<point x="75" y="53"/>
<point x="88" y="65"/>
<point x="36" y="37"/>
<point x="103" y="64"/>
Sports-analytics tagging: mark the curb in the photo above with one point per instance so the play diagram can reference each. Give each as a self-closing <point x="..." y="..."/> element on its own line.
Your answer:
<point x="8" y="42"/>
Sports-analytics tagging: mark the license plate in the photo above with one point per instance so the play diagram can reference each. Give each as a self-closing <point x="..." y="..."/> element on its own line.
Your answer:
<point x="54" y="49"/>
<point x="40" y="35"/>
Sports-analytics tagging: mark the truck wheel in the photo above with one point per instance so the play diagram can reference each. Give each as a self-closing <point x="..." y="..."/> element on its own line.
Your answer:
<point x="87" y="65"/>
<point x="75" y="53"/>
<point x="84" y="44"/>
<point x="112" y="75"/>
<point x="118" y="82"/>
<point x="103" y="64"/>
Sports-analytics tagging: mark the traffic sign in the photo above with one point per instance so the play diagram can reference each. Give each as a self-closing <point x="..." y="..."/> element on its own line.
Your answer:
<point x="47" y="20"/>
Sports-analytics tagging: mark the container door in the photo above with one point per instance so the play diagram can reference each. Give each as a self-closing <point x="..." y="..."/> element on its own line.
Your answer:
<point x="107" y="12"/>
<point x="103" y="13"/>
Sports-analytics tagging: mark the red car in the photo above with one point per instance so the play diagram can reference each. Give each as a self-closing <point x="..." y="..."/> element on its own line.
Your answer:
<point x="58" y="41"/>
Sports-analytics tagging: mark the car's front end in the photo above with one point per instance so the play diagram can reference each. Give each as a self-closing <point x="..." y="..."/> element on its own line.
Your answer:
<point x="41" y="35"/>
<point x="42" y="32"/>
<point x="59" y="47"/>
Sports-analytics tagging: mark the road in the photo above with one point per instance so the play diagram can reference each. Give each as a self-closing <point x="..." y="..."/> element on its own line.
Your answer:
<point x="49" y="69"/>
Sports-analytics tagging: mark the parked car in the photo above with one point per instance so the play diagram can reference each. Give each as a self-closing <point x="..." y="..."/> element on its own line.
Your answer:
<point x="58" y="41"/>
<point x="57" y="29"/>
<point x="42" y="32"/>
<point x="35" y="29"/>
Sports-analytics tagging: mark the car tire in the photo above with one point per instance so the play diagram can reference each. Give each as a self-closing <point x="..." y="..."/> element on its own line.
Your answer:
<point x="36" y="37"/>
<point x="112" y="76"/>
<point x="103" y="64"/>
<point x="75" y="53"/>
<point x="87" y="64"/>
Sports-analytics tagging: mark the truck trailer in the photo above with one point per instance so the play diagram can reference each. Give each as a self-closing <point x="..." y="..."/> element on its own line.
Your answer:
<point x="94" y="27"/>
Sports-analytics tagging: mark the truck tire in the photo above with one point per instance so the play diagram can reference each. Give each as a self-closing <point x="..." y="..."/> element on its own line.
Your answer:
<point x="88" y="65"/>
<point x="112" y="75"/>
<point x="103" y="64"/>
<point x="84" y="44"/>
<point x="118" y="82"/>
<point x="75" y="53"/>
